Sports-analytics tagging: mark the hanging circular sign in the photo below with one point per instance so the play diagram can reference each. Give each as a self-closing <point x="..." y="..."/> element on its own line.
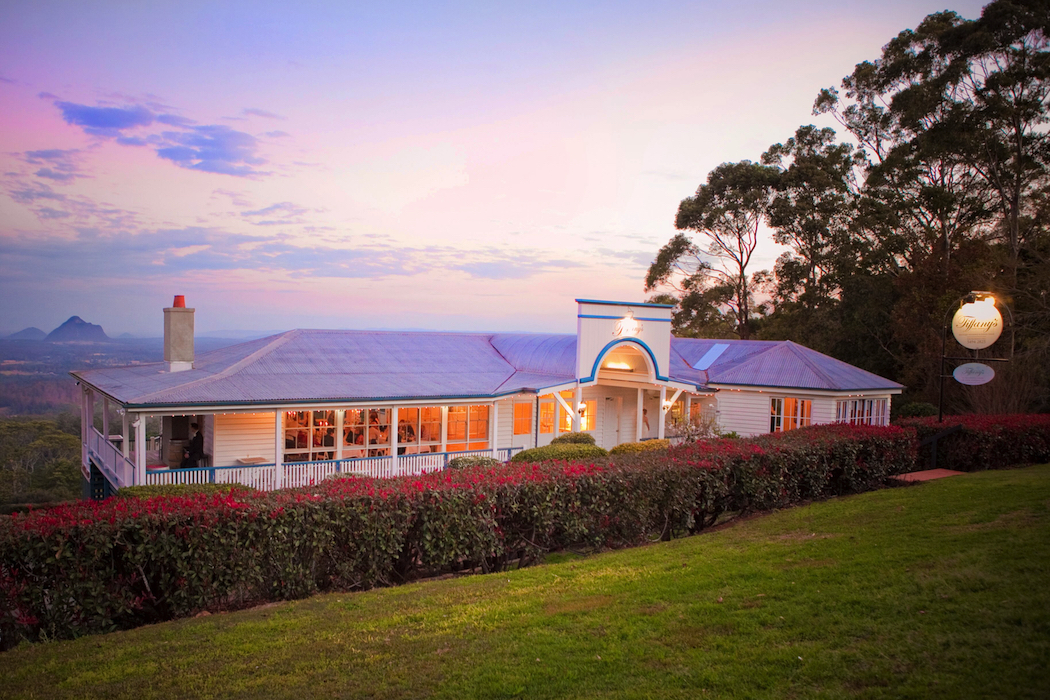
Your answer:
<point x="973" y="374"/>
<point x="978" y="324"/>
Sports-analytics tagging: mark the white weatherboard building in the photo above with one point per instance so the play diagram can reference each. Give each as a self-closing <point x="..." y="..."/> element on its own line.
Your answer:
<point x="291" y="409"/>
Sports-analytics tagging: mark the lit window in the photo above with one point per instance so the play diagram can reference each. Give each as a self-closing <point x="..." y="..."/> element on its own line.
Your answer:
<point x="309" y="436"/>
<point x="547" y="417"/>
<point x="468" y="428"/>
<point x="789" y="413"/>
<point x="588" y="413"/>
<point x="523" y="419"/>
<point x="862" y="412"/>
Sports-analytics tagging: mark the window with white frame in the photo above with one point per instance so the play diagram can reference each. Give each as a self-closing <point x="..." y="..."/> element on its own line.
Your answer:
<point x="309" y="436"/>
<point x="523" y="419"/>
<point x="468" y="428"/>
<point x="546" y="417"/>
<point x="366" y="433"/>
<point x="788" y="413"/>
<point x="862" y="411"/>
<point x="419" y="430"/>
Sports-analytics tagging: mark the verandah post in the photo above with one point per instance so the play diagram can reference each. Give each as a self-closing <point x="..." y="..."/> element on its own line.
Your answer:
<point x="140" y="449"/>
<point x="638" y="421"/>
<point x="494" y="429"/>
<point x="278" y="449"/>
<point x="393" y="440"/>
<point x="577" y="399"/>
<point x="662" y="412"/>
<point x="125" y="433"/>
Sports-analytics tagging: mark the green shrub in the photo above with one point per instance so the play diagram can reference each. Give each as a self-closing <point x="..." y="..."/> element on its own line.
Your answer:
<point x="916" y="409"/>
<point x="472" y="461"/>
<point x="149" y="491"/>
<point x="561" y="451"/>
<point x="628" y="448"/>
<point x="573" y="439"/>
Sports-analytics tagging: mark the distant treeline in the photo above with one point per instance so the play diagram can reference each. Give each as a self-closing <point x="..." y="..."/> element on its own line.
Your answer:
<point x="39" y="461"/>
<point x="37" y="396"/>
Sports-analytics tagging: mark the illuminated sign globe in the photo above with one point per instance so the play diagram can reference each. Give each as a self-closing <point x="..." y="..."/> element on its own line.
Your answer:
<point x="977" y="324"/>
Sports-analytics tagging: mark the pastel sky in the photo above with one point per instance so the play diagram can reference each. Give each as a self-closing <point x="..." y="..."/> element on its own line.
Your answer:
<point x="462" y="166"/>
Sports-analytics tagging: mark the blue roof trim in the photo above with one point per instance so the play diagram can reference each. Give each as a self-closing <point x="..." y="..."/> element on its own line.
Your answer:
<point x="617" y="318"/>
<point x="624" y="303"/>
<point x="711" y="355"/>
<point x="770" y="388"/>
<point x="613" y="343"/>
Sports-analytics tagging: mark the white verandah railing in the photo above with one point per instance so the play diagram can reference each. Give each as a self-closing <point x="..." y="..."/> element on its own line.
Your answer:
<point x="117" y="469"/>
<point x="264" y="476"/>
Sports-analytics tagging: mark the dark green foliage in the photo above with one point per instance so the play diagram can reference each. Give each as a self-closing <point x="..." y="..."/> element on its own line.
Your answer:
<point x="561" y="451"/>
<point x="573" y="439"/>
<point x="916" y="409"/>
<point x="39" y="462"/>
<point x="726" y="214"/>
<point x="472" y="461"/>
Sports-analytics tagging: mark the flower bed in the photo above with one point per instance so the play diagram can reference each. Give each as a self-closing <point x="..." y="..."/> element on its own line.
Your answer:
<point x="985" y="442"/>
<point x="92" y="567"/>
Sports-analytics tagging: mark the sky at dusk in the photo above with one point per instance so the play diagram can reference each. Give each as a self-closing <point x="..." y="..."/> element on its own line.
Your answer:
<point x="380" y="165"/>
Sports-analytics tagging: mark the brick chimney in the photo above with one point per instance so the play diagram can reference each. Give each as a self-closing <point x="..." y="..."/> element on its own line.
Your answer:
<point x="178" y="336"/>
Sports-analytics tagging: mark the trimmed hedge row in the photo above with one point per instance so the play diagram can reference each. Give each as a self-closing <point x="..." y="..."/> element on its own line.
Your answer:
<point x="561" y="450"/>
<point x="985" y="442"/>
<point x="93" y="567"/>
<point x="626" y="448"/>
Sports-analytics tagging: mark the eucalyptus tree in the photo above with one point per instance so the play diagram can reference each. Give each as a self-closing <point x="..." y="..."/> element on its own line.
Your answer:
<point x="812" y="212"/>
<point x="726" y="218"/>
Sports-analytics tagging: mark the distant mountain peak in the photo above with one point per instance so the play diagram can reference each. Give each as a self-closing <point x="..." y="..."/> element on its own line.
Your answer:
<point x="31" y="333"/>
<point x="77" y="330"/>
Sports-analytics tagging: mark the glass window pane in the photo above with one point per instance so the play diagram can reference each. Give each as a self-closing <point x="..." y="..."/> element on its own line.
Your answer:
<point x="408" y="426"/>
<point x="479" y="422"/>
<point x="430" y="424"/>
<point x="547" y="417"/>
<point x="296" y="419"/>
<point x="457" y="423"/>
<point x="564" y="420"/>
<point x="522" y="418"/>
<point x="355" y="417"/>
<point x="587" y="415"/>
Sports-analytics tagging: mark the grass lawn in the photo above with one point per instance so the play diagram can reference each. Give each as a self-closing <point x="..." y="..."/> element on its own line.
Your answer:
<point x="937" y="590"/>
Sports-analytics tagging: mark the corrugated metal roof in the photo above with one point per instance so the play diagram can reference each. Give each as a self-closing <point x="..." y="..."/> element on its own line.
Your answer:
<point x="322" y="365"/>
<point x="790" y="365"/>
<point x="538" y="353"/>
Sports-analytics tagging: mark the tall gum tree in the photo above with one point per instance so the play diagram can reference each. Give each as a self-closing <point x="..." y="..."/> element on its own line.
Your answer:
<point x="726" y="217"/>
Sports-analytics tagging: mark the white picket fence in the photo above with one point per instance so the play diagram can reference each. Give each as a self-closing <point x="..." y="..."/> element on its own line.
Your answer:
<point x="264" y="476"/>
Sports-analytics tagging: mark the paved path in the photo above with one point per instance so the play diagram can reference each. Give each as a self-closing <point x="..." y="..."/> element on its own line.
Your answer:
<point x="928" y="475"/>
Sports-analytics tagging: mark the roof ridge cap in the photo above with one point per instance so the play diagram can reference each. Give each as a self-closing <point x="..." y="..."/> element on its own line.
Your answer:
<point x="277" y="342"/>
<point x="796" y="350"/>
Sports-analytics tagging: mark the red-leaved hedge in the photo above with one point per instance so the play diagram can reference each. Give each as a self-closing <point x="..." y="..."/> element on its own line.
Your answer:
<point x="985" y="442"/>
<point x="92" y="567"/>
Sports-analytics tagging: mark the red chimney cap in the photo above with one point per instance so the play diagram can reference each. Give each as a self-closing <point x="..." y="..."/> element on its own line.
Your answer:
<point x="180" y="301"/>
